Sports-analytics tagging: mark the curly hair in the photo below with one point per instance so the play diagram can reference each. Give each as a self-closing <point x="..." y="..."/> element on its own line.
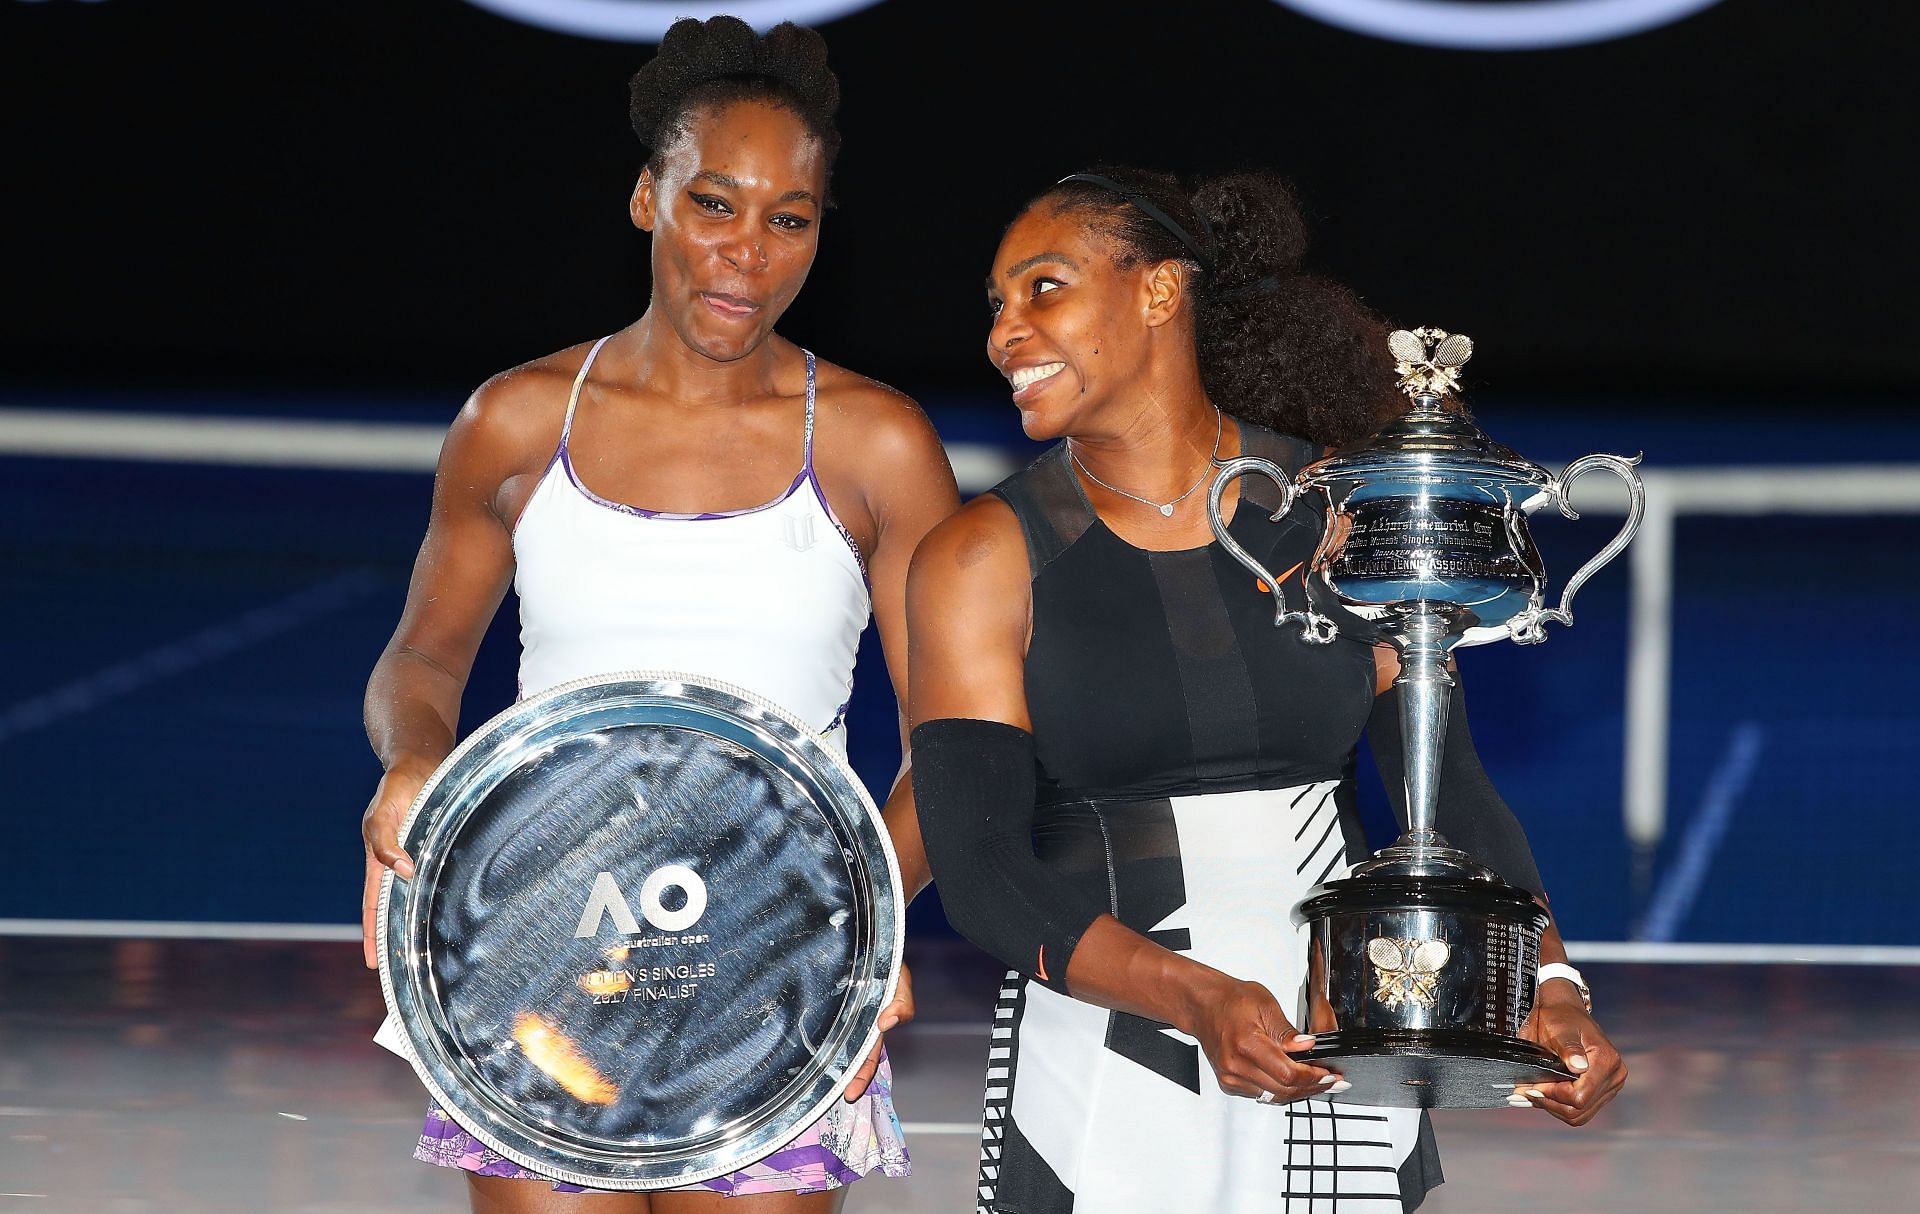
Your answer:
<point x="1277" y="347"/>
<point x="723" y="60"/>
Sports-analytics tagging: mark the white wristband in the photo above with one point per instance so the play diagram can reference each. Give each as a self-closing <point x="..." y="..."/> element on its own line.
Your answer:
<point x="1560" y="969"/>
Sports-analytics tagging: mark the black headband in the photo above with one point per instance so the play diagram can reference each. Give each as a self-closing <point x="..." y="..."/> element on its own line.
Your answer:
<point x="1152" y="212"/>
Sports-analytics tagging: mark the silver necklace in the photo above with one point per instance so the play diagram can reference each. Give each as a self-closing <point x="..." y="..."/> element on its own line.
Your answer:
<point x="1165" y="508"/>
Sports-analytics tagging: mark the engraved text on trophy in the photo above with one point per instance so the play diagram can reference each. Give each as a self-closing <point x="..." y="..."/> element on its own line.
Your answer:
<point x="1404" y="549"/>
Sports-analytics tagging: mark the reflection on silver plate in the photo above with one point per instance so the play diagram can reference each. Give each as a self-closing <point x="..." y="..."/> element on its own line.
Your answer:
<point x="654" y="922"/>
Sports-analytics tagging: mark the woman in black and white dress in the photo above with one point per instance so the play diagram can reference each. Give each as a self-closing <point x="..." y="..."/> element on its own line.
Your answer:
<point x="1126" y="779"/>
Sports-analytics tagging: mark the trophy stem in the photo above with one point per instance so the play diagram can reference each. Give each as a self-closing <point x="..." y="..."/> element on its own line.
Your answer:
<point x="1425" y="685"/>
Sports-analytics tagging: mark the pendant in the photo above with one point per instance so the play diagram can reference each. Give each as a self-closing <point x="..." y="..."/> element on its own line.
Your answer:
<point x="1166" y="511"/>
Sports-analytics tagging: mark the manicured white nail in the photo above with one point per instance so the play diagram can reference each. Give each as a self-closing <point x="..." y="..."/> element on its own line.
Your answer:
<point x="1519" y="1102"/>
<point x="1302" y="1039"/>
<point x="1329" y="1079"/>
<point x="1342" y="1086"/>
<point x="1577" y="1063"/>
<point x="1536" y="1093"/>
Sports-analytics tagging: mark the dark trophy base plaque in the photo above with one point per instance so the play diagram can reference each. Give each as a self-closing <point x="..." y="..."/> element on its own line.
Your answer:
<point x="1427" y="981"/>
<point x="1432" y="1068"/>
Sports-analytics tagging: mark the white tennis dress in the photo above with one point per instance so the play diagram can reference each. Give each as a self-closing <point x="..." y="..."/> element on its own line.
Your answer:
<point x="772" y="598"/>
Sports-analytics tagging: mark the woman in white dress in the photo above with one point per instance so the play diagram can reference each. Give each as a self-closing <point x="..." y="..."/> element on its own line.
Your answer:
<point x="693" y="492"/>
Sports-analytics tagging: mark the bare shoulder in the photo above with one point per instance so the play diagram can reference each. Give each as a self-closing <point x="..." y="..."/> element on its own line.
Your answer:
<point x="532" y="395"/>
<point x="883" y="421"/>
<point x="977" y="549"/>
<point x="516" y="415"/>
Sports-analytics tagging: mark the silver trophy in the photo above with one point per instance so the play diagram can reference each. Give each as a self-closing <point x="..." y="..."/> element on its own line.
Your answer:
<point x="1424" y="958"/>
<point x="653" y="925"/>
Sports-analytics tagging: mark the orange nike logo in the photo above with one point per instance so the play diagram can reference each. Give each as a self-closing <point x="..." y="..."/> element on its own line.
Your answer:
<point x="1041" y="971"/>
<point x="1264" y="588"/>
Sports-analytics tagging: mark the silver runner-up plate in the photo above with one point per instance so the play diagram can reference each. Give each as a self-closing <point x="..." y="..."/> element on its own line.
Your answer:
<point x="654" y="923"/>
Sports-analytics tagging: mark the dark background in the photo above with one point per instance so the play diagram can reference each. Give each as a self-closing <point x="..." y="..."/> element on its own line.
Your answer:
<point x="369" y="194"/>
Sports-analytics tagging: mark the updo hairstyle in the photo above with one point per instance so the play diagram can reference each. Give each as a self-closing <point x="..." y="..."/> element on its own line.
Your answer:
<point x="1277" y="347"/>
<point x="723" y="60"/>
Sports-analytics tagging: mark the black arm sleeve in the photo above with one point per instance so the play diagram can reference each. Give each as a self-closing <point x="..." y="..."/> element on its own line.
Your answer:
<point x="973" y="783"/>
<point x="1471" y="813"/>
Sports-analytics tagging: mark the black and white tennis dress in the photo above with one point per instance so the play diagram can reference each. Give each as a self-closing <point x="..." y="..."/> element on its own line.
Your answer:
<point x="1196" y="779"/>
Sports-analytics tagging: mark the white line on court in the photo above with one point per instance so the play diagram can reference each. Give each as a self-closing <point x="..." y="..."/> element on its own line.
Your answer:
<point x="147" y="929"/>
<point x="291" y="443"/>
<point x="177" y="657"/>
<point x="258" y="441"/>
<point x="1677" y="953"/>
<point x="970" y="1129"/>
<point x="1673" y="899"/>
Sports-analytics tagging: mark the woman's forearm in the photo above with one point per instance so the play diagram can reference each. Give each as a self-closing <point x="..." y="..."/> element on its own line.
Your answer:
<point x="1118" y="968"/>
<point x="412" y="710"/>
<point x="902" y="819"/>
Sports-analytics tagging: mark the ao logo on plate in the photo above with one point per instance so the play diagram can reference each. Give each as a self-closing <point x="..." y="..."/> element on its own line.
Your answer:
<point x="647" y="20"/>
<point x="605" y="900"/>
<point x="1516" y="25"/>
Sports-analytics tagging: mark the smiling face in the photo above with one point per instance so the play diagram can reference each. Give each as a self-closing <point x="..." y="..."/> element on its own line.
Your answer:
<point x="1071" y="329"/>
<point x="734" y="207"/>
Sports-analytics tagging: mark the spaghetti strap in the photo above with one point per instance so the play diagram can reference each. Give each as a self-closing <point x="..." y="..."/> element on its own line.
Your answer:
<point x="573" y="397"/>
<point x="807" y="462"/>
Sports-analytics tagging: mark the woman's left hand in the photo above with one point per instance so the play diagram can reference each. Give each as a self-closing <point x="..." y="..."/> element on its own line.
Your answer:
<point x="896" y="1013"/>
<point x="1560" y="1023"/>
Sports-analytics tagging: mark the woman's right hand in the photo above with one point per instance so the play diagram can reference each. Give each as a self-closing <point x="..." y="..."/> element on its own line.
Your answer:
<point x="1251" y="1044"/>
<point x="380" y="831"/>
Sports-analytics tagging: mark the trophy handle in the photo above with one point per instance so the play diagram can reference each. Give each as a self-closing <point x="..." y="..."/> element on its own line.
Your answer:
<point x="1531" y="629"/>
<point x="1318" y="628"/>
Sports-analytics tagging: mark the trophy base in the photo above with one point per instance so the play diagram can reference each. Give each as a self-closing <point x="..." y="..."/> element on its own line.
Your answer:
<point x="1432" y="1068"/>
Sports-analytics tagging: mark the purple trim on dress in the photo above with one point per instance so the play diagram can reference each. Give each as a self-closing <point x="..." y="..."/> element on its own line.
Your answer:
<point x="566" y="428"/>
<point x="820" y="493"/>
<point x="848" y="1142"/>
<point x="800" y="1157"/>
<point x="840" y="714"/>
<point x="805" y="474"/>
<point x="545" y="472"/>
<point x="858" y="556"/>
<point x="566" y="461"/>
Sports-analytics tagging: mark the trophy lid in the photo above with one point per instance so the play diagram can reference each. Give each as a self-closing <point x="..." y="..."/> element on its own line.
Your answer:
<point x="1429" y="437"/>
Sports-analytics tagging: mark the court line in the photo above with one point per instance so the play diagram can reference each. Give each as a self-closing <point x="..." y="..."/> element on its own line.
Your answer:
<point x="1680" y="953"/>
<point x="1634" y="951"/>
<point x="969" y="1129"/>
<point x="150" y="929"/>
<point x="186" y="439"/>
<point x="177" y="657"/>
<point x="291" y="443"/>
<point x="1673" y="899"/>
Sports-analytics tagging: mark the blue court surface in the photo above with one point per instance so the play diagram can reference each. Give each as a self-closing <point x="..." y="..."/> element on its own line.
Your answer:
<point x="180" y="732"/>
